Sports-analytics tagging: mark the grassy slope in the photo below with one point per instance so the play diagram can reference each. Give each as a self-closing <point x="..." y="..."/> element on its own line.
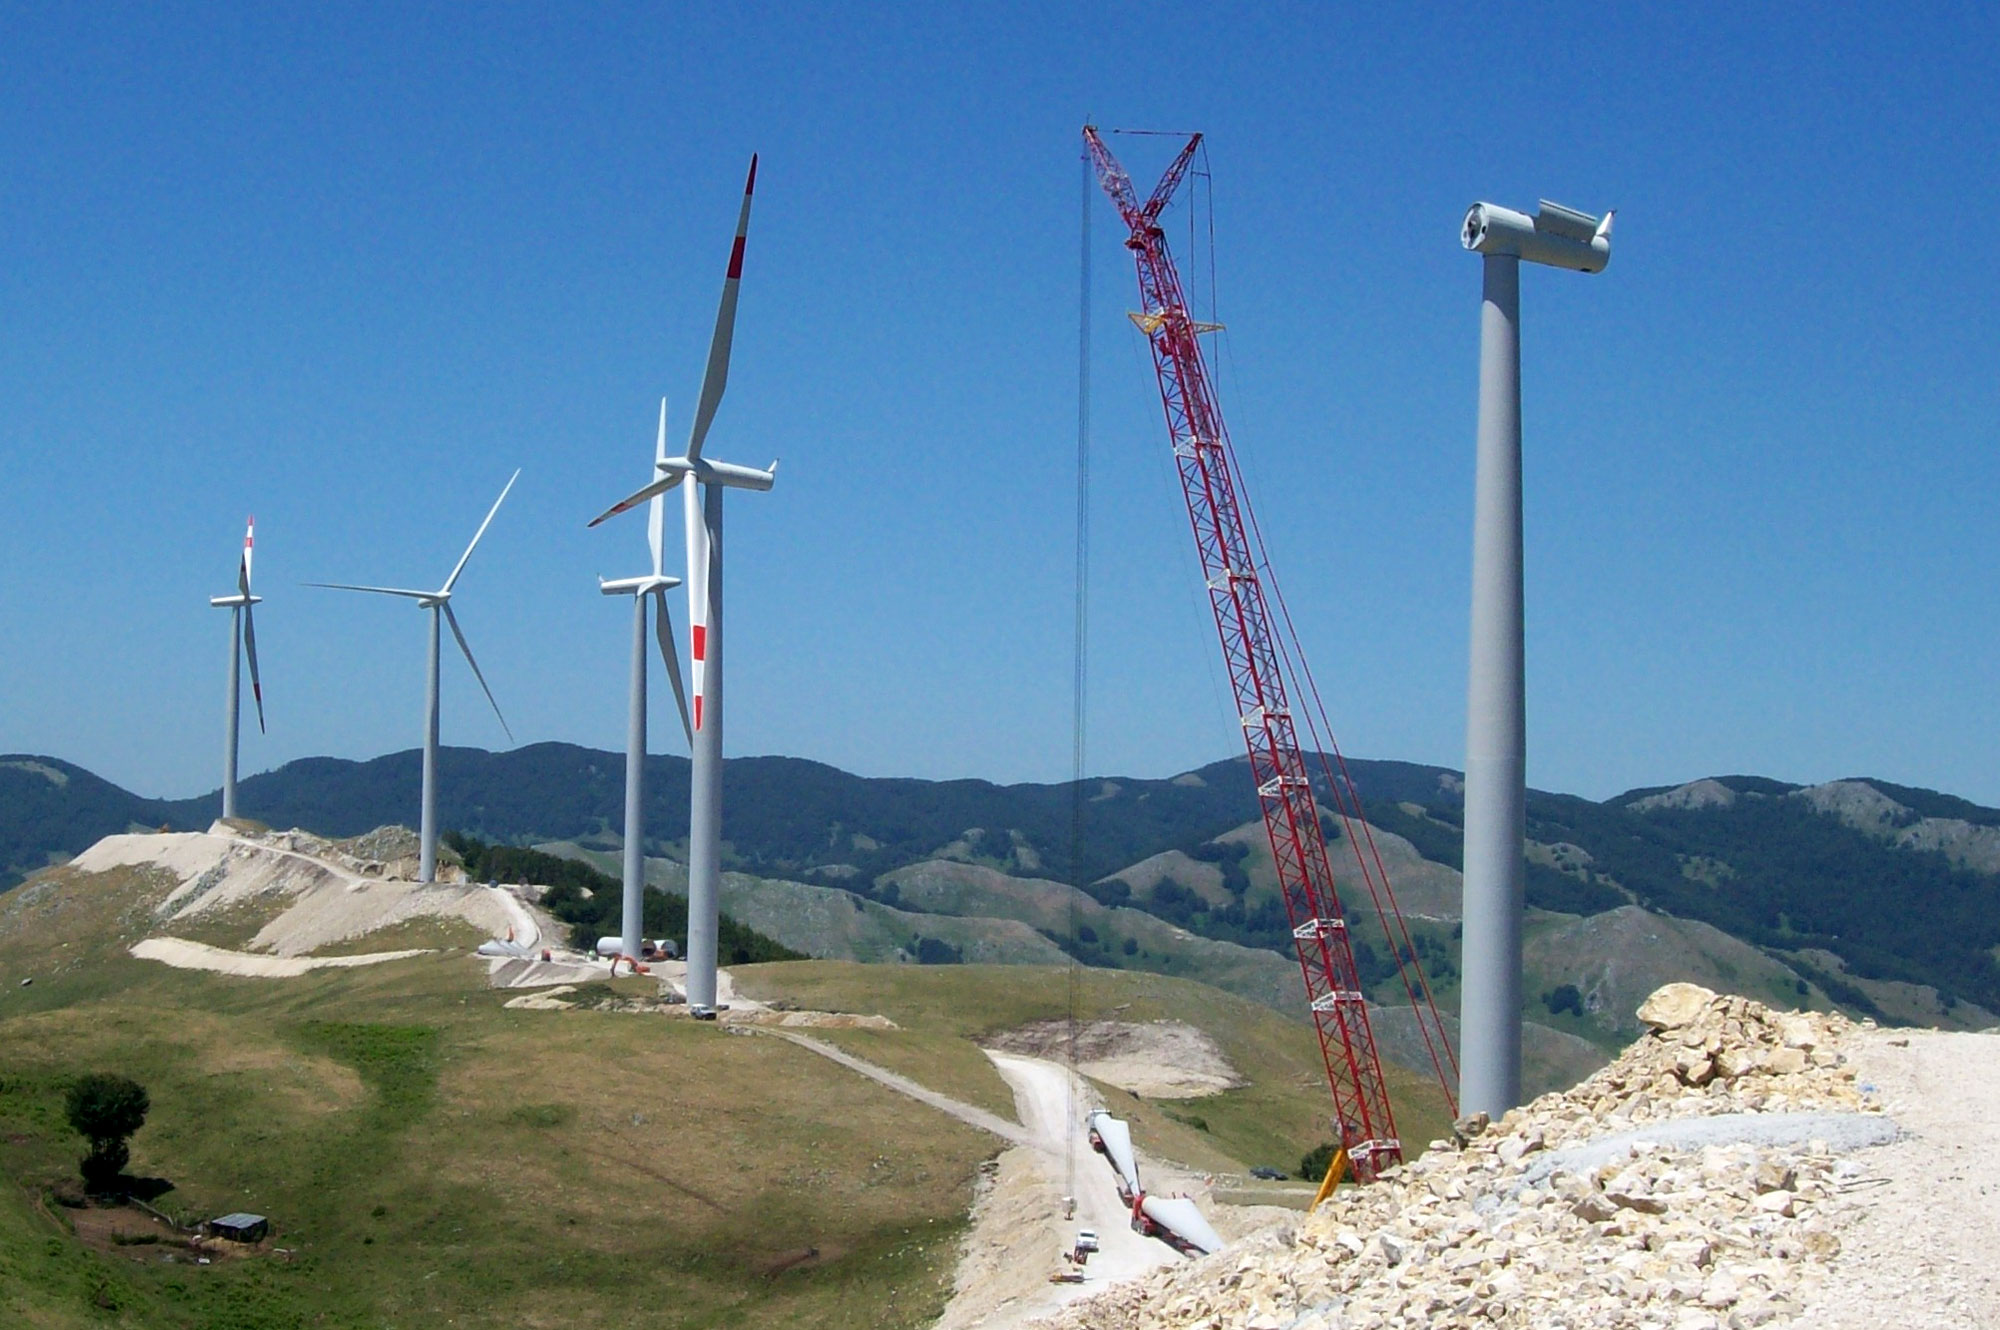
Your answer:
<point x="433" y="1157"/>
<point x="949" y="1008"/>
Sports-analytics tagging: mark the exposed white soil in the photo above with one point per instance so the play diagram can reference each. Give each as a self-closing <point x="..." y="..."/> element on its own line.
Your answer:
<point x="525" y="972"/>
<point x="185" y="955"/>
<point x="318" y="893"/>
<point x="1157" y="1059"/>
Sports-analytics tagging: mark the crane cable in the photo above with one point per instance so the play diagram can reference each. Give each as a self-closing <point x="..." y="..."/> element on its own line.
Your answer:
<point x="1079" y="678"/>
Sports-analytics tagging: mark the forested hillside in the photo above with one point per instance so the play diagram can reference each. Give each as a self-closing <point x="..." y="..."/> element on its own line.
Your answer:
<point x="1893" y="883"/>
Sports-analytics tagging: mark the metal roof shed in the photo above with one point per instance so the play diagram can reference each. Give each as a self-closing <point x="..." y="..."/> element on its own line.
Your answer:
<point x="240" y="1227"/>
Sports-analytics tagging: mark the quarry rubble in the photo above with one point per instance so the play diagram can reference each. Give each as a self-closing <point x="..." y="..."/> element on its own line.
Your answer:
<point x="1608" y="1205"/>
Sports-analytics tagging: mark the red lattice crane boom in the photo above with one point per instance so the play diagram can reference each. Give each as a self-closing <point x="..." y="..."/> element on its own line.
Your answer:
<point x="1256" y="659"/>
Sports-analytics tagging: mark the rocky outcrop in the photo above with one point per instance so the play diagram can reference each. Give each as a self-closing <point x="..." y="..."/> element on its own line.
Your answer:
<point x="1690" y="1185"/>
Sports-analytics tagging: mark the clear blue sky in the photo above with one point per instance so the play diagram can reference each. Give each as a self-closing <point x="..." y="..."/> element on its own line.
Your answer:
<point x="346" y="267"/>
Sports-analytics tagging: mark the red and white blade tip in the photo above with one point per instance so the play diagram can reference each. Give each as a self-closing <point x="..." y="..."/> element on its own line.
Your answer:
<point x="742" y="224"/>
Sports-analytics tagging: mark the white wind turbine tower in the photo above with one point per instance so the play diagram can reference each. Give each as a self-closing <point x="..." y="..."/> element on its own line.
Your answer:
<point x="242" y="642"/>
<point x="655" y="586"/>
<point x="439" y="604"/>
<point x="707" y="481"/>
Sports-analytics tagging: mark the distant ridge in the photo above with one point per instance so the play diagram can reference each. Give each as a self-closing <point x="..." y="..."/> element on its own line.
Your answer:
<point x="1884" y="897"/>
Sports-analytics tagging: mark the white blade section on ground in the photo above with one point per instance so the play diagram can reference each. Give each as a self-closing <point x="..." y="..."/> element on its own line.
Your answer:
<point x="1180" y="1217"/>
<point x="1117" y="1137"/>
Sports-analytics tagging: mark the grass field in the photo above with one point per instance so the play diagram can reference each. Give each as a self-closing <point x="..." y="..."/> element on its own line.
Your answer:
<point x="430" y="1158"/>
<point x="946" y="1009"/>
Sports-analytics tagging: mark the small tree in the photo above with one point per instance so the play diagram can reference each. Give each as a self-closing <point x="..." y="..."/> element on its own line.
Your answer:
<point x="1318" y="1160"/>
<point x="105" y="1110"/>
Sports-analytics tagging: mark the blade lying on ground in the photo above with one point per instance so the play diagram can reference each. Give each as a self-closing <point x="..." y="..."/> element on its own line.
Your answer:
<point x="663" y="629"/>
<point x="250" y="650"/>
<point x="458" y="633"/>
<point x="449" y="582"/>
<point x="717" y="376"/>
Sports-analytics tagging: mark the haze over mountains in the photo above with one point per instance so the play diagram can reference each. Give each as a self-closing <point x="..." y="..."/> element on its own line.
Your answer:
<point x="1878" y="897"/>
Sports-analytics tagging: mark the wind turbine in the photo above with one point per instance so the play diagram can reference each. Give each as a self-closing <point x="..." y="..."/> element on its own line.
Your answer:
<point x="242" y="642"/>
<point x="439" y="604"/>
<point x="707" y="479"/>
<point x="1496" y="725"/>
<point x="655" y="585"/>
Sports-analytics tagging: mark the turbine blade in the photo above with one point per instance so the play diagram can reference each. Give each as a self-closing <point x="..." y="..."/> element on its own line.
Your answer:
<point x="697" y="594"/>
<point x="663" y="629"/>
<point x="243" y="568"/>
<point x="378" y="590"/>
<point x="717" y="376"/>
<point x="449" y="582"/>
<point x="250" y="649"/>
<point x="627" y="504"/>
<point x="459" y="633"/>
<point x="656" y="520"/>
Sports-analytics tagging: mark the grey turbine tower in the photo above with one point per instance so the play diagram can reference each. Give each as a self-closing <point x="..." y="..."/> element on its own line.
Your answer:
<point x="1496" y="791"/>
<point x="438" y="602"/>
<point x="242" y="642"/>
<point x="707" y="479"/>
<point x="654" y="587"/>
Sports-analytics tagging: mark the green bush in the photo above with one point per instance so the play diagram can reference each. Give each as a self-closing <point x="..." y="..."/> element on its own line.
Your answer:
<point x="105" y="1109"/>
<point x="1317" y="1161"/>
<point x="1562" y="998"/>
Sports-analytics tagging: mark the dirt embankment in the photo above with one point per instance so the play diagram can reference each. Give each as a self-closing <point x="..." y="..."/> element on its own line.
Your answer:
<point x="1157" y="1059"/>
<point x="276" y="898"/>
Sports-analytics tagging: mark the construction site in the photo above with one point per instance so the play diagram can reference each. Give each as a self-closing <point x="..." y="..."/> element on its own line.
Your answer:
<point x="597" y="1040"/>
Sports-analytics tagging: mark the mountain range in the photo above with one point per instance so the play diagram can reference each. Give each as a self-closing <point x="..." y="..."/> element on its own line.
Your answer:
<point x="1876" y="897"/>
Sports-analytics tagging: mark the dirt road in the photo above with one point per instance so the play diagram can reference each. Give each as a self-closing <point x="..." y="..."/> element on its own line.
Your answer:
<point x="1922" y="1256"/>
<point x="1019" y="1230"/>
<point x="964" y="1112"/>
<point x="1051" y="1105"/>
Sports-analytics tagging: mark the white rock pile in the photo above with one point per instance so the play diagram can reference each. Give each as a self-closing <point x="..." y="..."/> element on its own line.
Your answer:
<point x="1671" y="1219"/>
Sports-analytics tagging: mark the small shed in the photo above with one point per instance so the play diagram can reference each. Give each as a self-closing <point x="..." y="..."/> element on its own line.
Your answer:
<point x="240" y="1227"/>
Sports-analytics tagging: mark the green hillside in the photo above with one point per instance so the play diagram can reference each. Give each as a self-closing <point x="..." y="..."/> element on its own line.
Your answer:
<point x="428" y="1156"/>
<point x="1884" y="897"/>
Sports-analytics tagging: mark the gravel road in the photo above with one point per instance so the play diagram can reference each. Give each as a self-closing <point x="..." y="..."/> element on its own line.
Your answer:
<point x="1925" y="1252"/>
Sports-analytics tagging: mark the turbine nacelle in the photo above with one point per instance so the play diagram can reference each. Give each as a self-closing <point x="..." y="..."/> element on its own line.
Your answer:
<point x="671" y="471"/>
<point x="726" y="474"/>
<point x="230" y="602"/>
<point x="1557" y="236"/>
<point x="637" y="586"/>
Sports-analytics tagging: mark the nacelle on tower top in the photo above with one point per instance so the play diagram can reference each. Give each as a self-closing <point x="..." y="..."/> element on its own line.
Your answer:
<point x="1557" y="236"/>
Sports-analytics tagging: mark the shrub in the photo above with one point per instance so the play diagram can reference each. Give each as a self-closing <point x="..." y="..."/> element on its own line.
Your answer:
<point x="1317" y="1161"/>
<point x="105" y="1109"/>
<point x="1564" y="997"/>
